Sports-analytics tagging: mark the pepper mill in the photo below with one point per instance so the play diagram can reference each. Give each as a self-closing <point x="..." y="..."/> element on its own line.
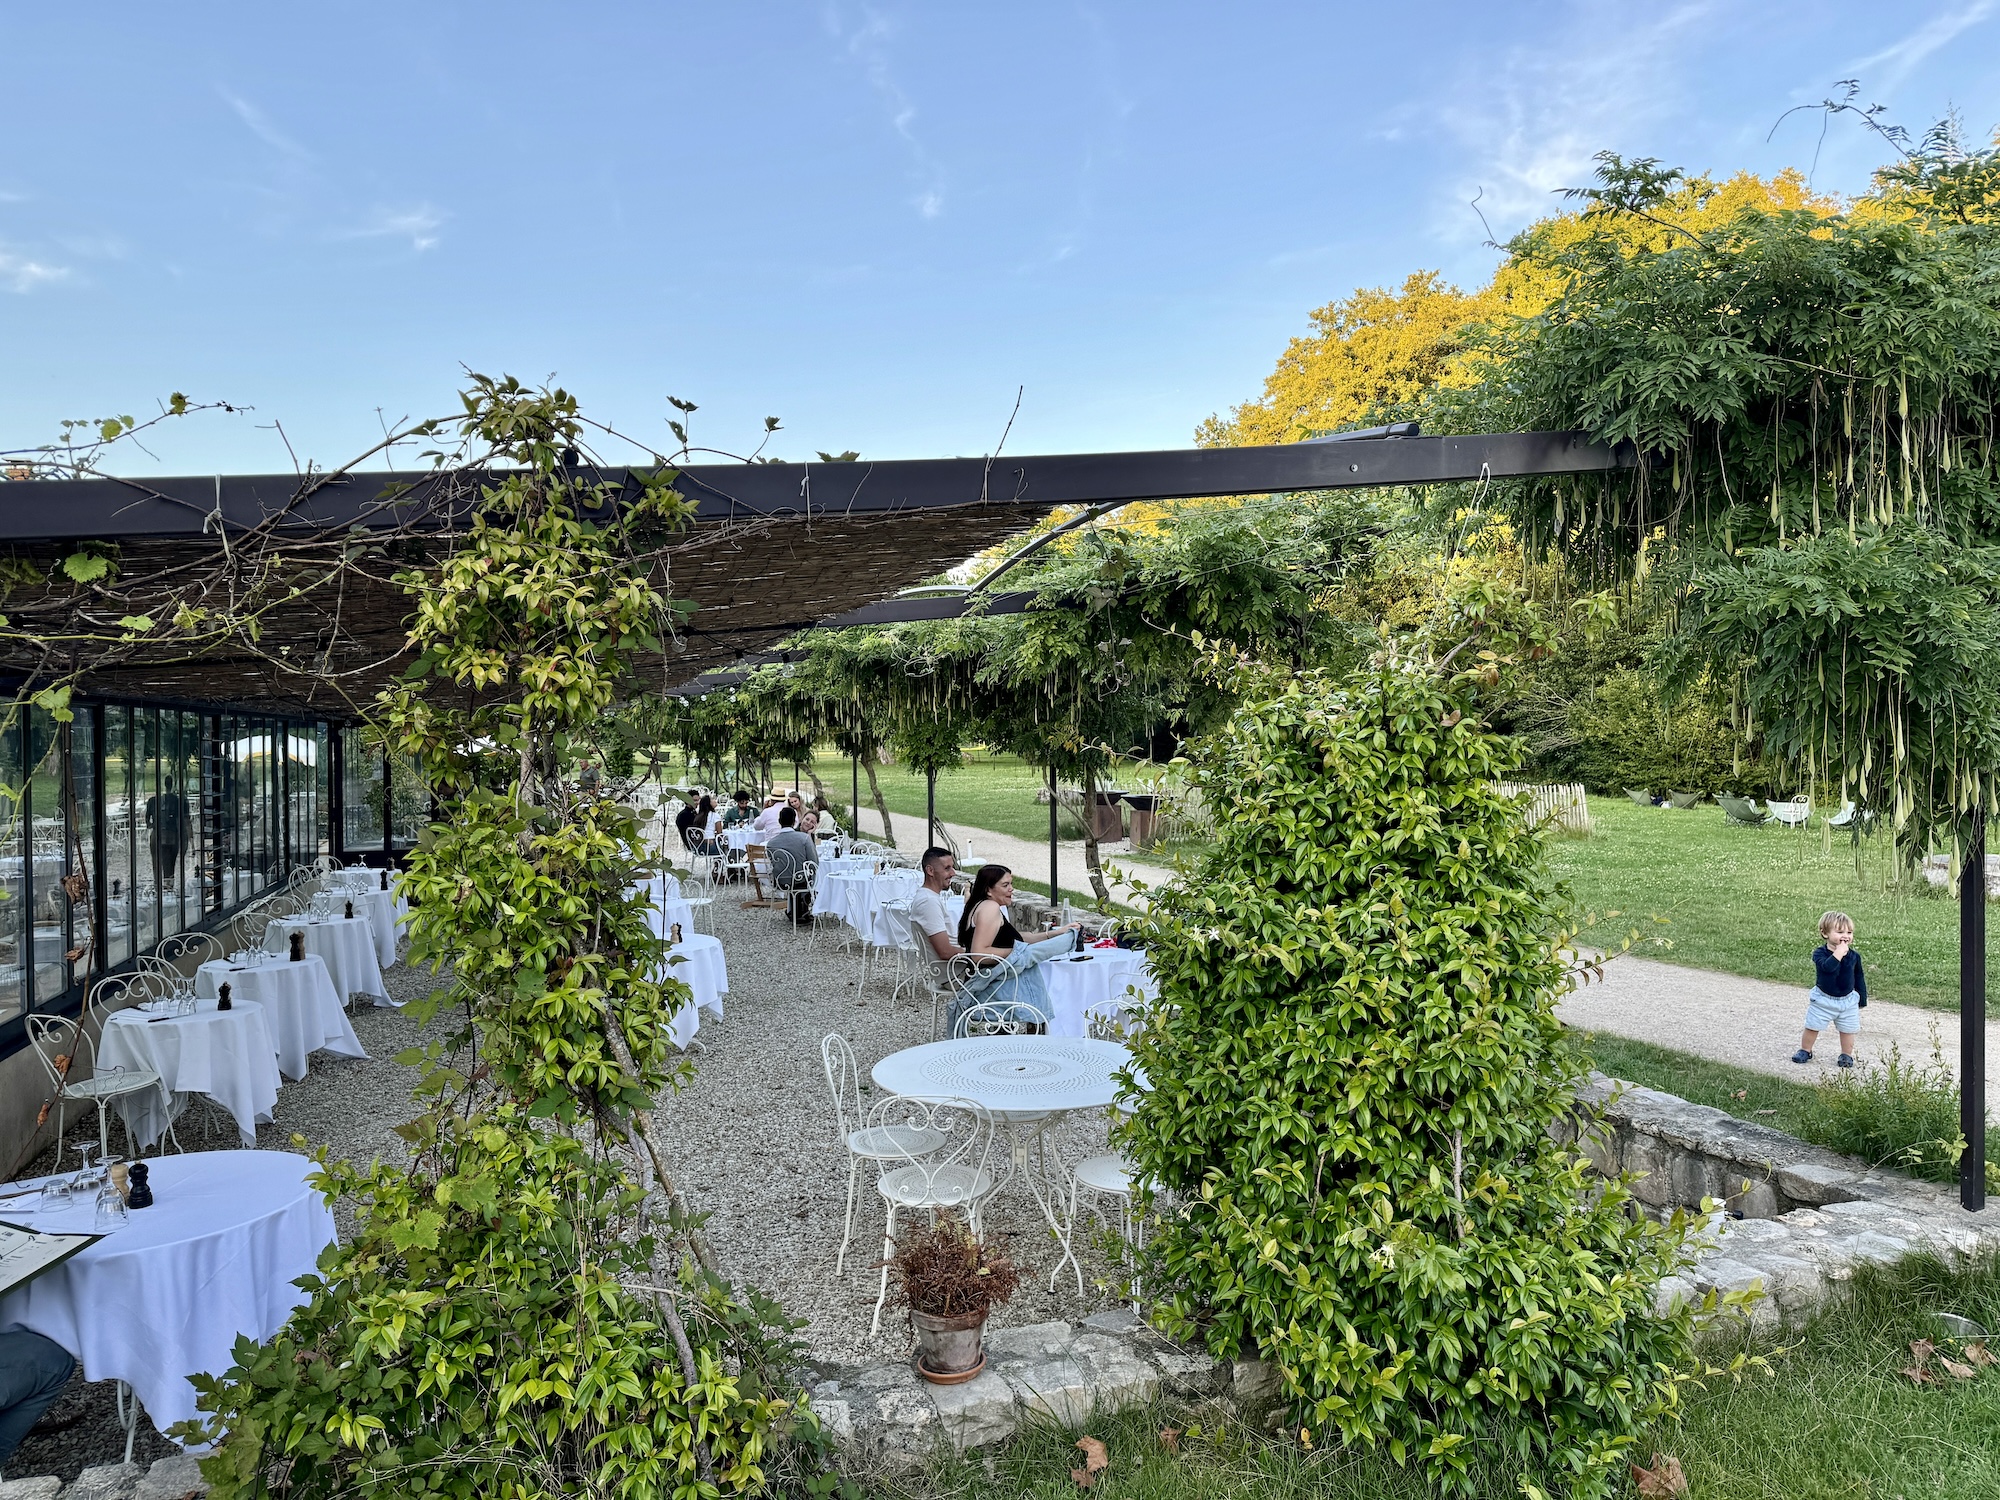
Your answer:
<point x="385" y="880"/>
<point x="222" y="996"/>
<point x="141" y="1195"/>
<point x="298" y="947"/>
<point x="676" y="938"/>
<point x="350" y="911"/>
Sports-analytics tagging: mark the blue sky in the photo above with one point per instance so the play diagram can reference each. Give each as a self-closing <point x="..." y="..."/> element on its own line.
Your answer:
<point x="873" y="221"/>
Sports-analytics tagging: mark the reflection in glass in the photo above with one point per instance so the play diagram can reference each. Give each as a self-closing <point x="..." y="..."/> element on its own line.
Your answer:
<point x="361" y="791"/>
<point x="117" y="835"/>
<point x="409" y="802"/>
<point x="81" y="894"/>
<point x="47" y="835"/>
<point x="144" y="806"/>
<point x="13" y="870"/>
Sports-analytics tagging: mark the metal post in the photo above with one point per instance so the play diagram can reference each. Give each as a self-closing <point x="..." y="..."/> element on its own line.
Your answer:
<point x="1972" y="1018"/>
<point x="1055" y="866"/>
<point x="854" y="808"/>
<point x="930" y="808"/>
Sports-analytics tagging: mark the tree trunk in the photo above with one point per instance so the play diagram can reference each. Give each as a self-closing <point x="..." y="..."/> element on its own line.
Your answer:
<point x="882" y="807"/>
<point x="1090" y="864"/>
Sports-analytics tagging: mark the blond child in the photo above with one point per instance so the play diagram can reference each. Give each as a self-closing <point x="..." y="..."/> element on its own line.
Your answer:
<point x="1839" y="989"/>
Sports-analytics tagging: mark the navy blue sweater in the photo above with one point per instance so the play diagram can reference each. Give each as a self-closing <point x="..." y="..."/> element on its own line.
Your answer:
<point x="1840" y="976"/>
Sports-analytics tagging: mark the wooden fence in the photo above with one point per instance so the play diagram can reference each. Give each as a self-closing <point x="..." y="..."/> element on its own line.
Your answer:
<point x="1559" y="808"/>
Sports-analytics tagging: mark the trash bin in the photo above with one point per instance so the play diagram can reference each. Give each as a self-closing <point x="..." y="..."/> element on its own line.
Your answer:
<point x="1106" y="819"/>
<point x="1145" y="807"/>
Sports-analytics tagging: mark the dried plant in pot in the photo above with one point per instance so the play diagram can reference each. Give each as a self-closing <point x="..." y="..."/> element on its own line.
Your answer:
<point x="951" y="1280"/>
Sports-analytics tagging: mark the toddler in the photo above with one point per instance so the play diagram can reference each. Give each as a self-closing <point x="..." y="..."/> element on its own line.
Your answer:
<point x="1839" y="989"/>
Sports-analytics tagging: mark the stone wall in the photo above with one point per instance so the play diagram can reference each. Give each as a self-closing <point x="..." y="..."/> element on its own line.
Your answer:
<point x="1809" y="1217"/>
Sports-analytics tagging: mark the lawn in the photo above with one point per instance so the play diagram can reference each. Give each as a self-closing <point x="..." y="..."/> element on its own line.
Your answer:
<point x="1748" y="900"/>
<point x="1776" y="1102"/>
<point x="989" y="791"/>
<point x="1833" y="1417"/>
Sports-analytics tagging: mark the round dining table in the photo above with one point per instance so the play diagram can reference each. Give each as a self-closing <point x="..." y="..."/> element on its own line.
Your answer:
<point x="1097" y="983"/>
<point x="166" y="1294"/>
<point x="300" y="1006"/>
<point x="346" y="943"/>
<point x="227" y="1055"/>
<point x="1024" y="1082"/>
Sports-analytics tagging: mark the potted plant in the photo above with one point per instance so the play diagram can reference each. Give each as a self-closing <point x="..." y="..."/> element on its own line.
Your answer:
<point x="950" y="1279"/>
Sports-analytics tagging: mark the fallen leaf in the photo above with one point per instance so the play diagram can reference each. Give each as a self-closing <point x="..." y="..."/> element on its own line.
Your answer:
<point x="1741" y="1094"/>
<point x="1761" y="1112"/>
<point x="1095" y="1459"/>
<point x="1954" y="1368"/>
<point x="1170" y="1437"/>
<point x="1083" y="1477"/>
<point x="1918" y="1375"/>
<point x="1306" y="1438"/>
<point x="1978" y="1353"/>
<point x="1664" y="1481"/>
<point x="1921" y="1351"/>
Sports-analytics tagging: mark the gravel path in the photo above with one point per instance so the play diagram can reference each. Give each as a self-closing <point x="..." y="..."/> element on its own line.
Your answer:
<point x="1752" y="1023"/>
<point x="753" y="1132"/>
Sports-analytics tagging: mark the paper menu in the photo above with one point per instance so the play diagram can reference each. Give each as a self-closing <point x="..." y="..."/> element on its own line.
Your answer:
<point x="26" y="1253"/>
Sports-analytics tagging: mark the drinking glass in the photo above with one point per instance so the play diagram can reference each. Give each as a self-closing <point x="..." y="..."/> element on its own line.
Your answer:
<point x="110" y="1208"/>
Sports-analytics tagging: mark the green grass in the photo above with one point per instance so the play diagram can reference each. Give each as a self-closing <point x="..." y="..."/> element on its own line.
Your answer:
<point x="1831" y="1418"/>
<point x="1748" y="900"/>
<point x="989" y="791"/>
<point x="1776" y="1102"/>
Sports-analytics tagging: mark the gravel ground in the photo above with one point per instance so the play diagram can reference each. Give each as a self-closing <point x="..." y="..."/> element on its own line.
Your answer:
<point x="753" y="1132"/>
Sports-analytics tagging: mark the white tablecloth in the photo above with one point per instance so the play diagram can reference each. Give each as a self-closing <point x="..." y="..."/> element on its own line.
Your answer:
<point x="348" y="948"/>
<point x="300" y="1007"/>
<point x="856" y="897"/>
<point x="227" y="1055"/>
<point x="386" y="912"/>
<point x="166" y="1296"/>
<point x="1095" y="985"/>
<point x="697" y="962"/>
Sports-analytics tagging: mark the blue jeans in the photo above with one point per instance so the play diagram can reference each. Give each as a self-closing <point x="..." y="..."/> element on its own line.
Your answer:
<point x="33" y="1372"/>
<point x="1017" y="977"/>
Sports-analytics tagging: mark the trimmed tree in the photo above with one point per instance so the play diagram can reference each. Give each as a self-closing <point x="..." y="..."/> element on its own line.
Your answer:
<point x="1358" y="1090"/>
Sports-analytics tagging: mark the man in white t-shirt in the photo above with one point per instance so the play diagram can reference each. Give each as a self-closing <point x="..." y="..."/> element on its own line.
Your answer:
<point x="767" y="820"/>
<point x="927" y="905"/>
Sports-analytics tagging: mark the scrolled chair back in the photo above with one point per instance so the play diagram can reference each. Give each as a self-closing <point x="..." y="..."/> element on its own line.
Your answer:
<point x="937" y="1152"/>
<point x="999" y="1018"/>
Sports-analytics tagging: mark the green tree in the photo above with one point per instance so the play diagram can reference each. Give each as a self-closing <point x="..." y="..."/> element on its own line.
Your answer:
<point x="1357" y="1088"/>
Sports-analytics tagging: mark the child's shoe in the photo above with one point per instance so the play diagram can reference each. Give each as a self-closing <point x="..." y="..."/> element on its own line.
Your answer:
<point x="1846" y="1060"/>
<point x="1802" y="1056"/>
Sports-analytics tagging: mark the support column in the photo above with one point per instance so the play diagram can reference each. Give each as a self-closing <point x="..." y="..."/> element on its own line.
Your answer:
<point x="931" y="839"/>
<point x="1972" y="1018"/>
<point x="1055" y="864"/>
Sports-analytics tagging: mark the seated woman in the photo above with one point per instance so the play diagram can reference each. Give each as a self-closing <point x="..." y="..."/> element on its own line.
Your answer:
<point x="1009" y="961"/>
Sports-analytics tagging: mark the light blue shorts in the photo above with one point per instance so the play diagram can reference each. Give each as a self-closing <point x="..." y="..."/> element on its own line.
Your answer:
<point x="1833" y="1013"/>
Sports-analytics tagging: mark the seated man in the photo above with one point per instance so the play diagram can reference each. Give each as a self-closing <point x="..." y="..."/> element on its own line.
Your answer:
<point x="33" y="1372"/>
<point x="767" y="820"/>
<point x="739" y="812"/>
<point x="927" y="906"/>
<point x="794" y="862"/>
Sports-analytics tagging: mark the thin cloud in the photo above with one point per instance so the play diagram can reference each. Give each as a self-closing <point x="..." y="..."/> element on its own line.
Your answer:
<point x="260" y="126"/>
<point x="868" y="45"/>
<point x="20" y="274"/>
<point x="1900" y="58"/>
<point x="418" y="225"/>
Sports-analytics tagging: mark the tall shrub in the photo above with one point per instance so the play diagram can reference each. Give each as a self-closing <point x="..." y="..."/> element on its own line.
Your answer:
<point x="526" y="1308"/>
<point x="1355" y="1069"/>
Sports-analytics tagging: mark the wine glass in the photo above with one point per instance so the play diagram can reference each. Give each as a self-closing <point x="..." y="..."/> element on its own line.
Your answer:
<point x="110" y="1208"/>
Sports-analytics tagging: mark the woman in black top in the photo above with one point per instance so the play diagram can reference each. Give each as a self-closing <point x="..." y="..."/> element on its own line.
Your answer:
<point x="1010" y="958"/>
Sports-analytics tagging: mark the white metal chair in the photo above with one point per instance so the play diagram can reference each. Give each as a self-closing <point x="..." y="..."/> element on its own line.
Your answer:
<point x="864" y="1142"/>
<point x="1107" y="1176"/>
<point x="956" y="1174"/>
<point x="1793" y="814"/>
<point x="325" y="864"/>
<point x="200" y="946"/>
<point x="904" y="945"/>
<point x="62" y="1044"/>
<point x="1000" y="1018"/>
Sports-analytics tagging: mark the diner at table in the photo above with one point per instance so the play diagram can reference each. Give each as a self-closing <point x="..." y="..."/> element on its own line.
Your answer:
<point x="1010" y="960"/>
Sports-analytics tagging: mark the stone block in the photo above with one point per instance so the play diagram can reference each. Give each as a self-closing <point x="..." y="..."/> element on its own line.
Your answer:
<point x="1690" y="1179"/>
<point x="1060" y="1388"/>
<point x="1792" y="1284"/>
<point x="1641" y="1154"/>
<point x="175" y="1478"/>
<point x="105" y="1482"/>
<point x="1758" y="1202"/>
<point x="1655" y="1189"/>
<point x="1724" y="1274"/>
<point x="1880" y="1249"/>
<point x="1672" y="1292"/>
<point x="979" y="1414"/>
<point x="1029" y="1341"/>
<point x="1116" y="1370"/>
<point x="1815" y="1182"/>
<point x="1256" y="1384"/>
<point x="41" y="1487"/>
<point x="1116" y="1320"/>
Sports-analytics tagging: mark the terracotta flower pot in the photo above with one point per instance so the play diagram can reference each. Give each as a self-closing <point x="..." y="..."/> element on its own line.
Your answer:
<point x="948" y="1346"/>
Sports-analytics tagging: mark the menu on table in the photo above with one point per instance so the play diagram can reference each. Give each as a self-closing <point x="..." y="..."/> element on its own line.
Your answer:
<point x="26" y="1253"/>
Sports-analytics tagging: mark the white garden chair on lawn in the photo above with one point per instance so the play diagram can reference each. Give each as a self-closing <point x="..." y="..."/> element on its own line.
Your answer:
<point x="863" y="1141"/>
<point x="1792" y="814"/>
<point x="956" y="1174"/>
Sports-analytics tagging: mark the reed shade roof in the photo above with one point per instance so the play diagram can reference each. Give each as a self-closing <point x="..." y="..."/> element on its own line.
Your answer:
<point x="774" y="548"/>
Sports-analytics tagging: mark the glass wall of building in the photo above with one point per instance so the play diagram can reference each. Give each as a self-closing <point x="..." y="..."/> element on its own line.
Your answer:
<point x="132" y="822"/>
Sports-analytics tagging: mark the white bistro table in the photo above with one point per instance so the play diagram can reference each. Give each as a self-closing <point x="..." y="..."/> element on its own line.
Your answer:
<point x="1025" y="1081"/>
<point x="226" y="1054"/>
<point x="1094" y="983"/>
<point x="167" y="1294"/>
<point x="347" y="945"/>
<point x="300" y="1006"/>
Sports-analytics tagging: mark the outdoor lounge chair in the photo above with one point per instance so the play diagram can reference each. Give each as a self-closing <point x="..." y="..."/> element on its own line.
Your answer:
<point x="1644" y="799"/>
<point x="1792" y="814"/>
<point x="1685" y="800"/>
<point x="1741" y="810"/>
